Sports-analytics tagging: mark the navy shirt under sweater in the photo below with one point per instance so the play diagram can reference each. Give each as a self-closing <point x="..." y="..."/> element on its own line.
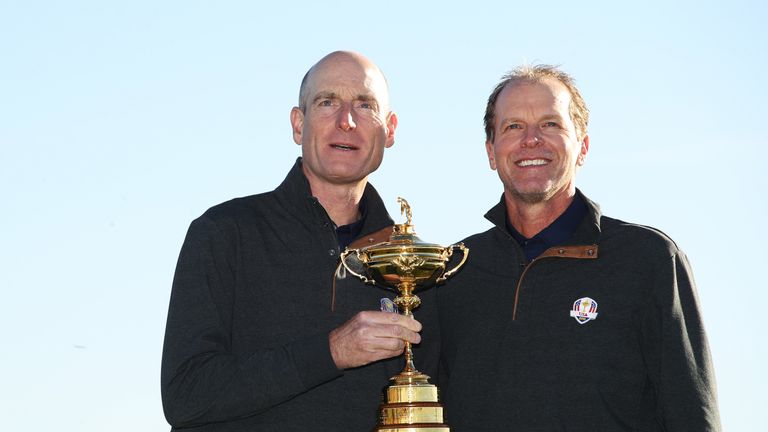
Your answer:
<point x="555" y="234"/>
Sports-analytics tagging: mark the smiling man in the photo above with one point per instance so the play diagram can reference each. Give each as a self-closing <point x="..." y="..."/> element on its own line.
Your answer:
<point x="263" y="333"/>
<point x="565" y="319"/>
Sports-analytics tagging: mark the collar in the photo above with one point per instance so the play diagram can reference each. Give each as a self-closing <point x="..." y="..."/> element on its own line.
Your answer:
<point x="557" y="233"/>
<point x="296" y="193"/>
<point x="586" y="233"/>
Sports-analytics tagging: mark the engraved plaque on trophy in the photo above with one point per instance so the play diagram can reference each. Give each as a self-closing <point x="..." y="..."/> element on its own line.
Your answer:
<point x="405" y="264"/>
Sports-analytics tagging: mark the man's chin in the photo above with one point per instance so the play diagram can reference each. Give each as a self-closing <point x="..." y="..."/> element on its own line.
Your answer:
<point x="538" y="196"/>
<point x="531" y="197"/>
<point x="350" y="172"/>
<point x="342" y="177"/>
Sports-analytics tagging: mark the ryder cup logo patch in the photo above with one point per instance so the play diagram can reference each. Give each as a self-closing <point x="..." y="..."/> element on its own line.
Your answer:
<point x="584" y="309"/>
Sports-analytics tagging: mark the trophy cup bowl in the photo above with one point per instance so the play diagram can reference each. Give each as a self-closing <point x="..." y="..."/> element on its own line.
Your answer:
<point x="405" y="264"/>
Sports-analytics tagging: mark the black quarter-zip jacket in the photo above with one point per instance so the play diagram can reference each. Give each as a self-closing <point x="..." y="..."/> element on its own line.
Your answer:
<point x="253" y="301"/>
<point x="515" y="358"/>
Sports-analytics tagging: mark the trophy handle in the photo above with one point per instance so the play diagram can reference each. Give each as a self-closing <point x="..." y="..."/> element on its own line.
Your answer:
<point x="451" y="272"/>
<point x="343" y="257"/>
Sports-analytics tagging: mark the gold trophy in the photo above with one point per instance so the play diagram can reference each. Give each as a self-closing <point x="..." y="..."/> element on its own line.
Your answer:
<point x="406" y="264"/>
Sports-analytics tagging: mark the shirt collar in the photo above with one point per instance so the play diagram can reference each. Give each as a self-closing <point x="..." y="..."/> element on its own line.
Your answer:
<point x="295" y="191"/>
<point x="557" y="233"/>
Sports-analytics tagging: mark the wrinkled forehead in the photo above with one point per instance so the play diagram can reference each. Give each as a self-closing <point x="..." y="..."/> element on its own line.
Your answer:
<point x="347" y="78"/>
<point x="543" y="92"/>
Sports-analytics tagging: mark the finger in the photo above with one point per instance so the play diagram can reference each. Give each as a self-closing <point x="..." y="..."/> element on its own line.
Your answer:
<point x="412" y="337"/>
<point x="378" y="317"/>
<point x="401" y="333"/>
<point x="407" y="322"/>
<point x="392" y="346"/>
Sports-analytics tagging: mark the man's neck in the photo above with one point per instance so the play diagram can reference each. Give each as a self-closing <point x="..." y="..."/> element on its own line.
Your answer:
<point x="341" y="202"/>
<point x="530" y="219"/>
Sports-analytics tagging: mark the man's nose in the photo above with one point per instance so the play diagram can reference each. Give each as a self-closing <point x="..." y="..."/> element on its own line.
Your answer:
<point x="346" y="121"/>
<point x="532" y="138"/>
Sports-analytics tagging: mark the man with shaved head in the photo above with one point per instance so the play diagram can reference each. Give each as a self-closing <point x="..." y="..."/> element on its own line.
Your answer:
<point x="564" y="319"/>
<point x="264" y="331"/>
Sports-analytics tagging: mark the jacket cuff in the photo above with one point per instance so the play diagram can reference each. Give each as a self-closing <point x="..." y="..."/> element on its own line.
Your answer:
<point x="313" y="360"/>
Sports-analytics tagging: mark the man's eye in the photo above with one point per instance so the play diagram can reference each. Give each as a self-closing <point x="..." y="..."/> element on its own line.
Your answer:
<point x="550" y="124"/>
<point x="514" y="126"/>
<point x="366" y="105"/>
<point x="325" y="103"/>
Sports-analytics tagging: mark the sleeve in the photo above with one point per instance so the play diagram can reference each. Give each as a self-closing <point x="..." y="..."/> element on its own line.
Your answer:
<point x="676" y="352"/>
<point x="202" y="379"/>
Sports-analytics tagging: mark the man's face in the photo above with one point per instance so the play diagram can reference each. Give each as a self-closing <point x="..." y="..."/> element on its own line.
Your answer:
<point x="536" y="149"/>
<point x="346" y="123"/>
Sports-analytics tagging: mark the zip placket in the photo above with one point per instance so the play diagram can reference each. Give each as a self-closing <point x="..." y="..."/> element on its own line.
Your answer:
<point x="577" y="252"/>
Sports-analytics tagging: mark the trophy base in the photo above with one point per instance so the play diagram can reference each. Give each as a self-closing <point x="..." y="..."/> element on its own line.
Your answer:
<point x="411" y="405"/>
<point x="414" y="428"/>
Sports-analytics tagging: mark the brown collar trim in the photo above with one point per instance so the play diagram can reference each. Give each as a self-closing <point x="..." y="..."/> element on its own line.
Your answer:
<point x="379" y="236"/>
<point x="584" y="252"/>
<point x="580" y="252"/>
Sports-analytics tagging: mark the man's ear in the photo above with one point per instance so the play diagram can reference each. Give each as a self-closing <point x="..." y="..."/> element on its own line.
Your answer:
<point x="391" y="126"/>
<point x="583" y="151"/>
<point x="297" y="124"/>
<point x="491" y="158"/>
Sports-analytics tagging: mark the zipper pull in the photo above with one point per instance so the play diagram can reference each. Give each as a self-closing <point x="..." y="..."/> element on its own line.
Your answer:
<point x="341" y="271"/>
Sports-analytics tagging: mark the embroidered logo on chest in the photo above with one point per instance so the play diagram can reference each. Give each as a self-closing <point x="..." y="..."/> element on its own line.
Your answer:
<point x="584" y="310"/>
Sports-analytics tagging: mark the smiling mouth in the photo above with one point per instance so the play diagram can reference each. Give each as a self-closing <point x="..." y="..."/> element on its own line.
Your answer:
<point x="532" y="162"/>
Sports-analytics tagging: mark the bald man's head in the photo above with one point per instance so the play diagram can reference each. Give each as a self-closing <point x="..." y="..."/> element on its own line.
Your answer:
<point x="343" y="122"/>
<point x="343" y="60"/>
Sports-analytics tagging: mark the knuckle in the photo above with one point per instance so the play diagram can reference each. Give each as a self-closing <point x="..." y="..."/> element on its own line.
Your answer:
<point x="397" y="330"/>
<point x="357" y="318"/>
<point x="362" y="332"/>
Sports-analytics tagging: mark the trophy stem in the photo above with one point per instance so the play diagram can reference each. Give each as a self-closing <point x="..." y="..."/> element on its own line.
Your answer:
<point x="412" y="403"/>
<point x="407" y="302"/>
<point x="409" y="367"/>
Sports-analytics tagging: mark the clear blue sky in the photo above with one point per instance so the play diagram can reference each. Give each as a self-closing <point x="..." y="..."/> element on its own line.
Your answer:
<point x="120" y="122"/>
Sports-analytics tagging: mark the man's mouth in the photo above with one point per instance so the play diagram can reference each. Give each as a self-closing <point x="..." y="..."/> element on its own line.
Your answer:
<point x="343" y="147"/>
<point x="531" y="162"/>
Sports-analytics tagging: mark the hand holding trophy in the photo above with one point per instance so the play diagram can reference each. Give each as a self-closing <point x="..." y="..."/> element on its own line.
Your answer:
<point x="405" y="264"/>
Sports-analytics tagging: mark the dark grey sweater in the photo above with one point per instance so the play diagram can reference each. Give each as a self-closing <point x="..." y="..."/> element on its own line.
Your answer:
<point x="246" y="345"/>
<point x="516" y="359"/>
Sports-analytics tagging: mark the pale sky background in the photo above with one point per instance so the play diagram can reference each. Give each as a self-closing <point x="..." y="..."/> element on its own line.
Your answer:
<point x="120" y="122"/>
